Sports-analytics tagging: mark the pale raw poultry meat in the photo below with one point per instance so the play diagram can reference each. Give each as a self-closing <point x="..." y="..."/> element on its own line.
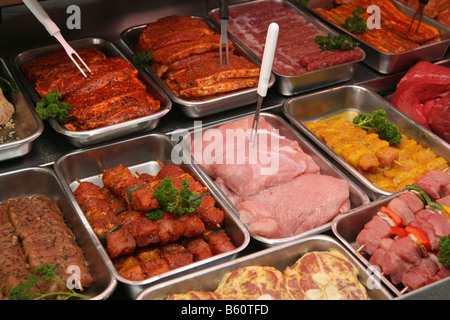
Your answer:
<point x="275" y="201"/>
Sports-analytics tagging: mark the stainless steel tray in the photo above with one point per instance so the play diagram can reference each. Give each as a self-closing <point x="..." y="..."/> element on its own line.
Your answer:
<point x="357" y="196"/>
<point x="292" y="85"/>
<point x="387" y="63"/>
<point x="94" y="136"/>
<point x="209" y="106"/>
<point x="28" y="127"/>
<point x="277" y="257"/>
<point x="141" y="155"/>
<point x="357" y="99"/>
<point x="43" y="181"/>
<point x="347" y="227"/>
<point x="426" y="19"/>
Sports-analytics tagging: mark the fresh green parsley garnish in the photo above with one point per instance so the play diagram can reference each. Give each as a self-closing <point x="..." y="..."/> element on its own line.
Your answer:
<point x="378" y="122"/>
<point x="330" y="42"/>
<point x="24" y="291"/>
<point x="355" y="24"/>
<point x="182" y="202"/>
<point x="142" y="58"/>
<point x="51" y="106"/>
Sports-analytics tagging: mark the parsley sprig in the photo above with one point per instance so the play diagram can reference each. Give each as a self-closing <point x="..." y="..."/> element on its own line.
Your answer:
<point x="27" y="290"/>
<point x="330" y="42"/>
<point x="51" y="106"/>
<point x="355" y="24"/>
<point x="172" y="200"/>
<point x="379" y="122"/>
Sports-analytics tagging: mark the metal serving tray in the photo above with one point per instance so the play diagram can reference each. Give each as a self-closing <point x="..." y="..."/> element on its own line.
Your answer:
<point x="292" y="85"/>
<point x="209" y="106"/>
<point x="43" y="181"/>
<point x="426" y="19"/>
<point x="347" y="227"/>
<point x="391" y="62"/>
<point x="94" y="136"/>
<point x="141" y="155"/>
<point x="356" y="99"/>
<point x="357" y="196"/>
<point x="28" y="127"/>
<point x="277" y="257"/>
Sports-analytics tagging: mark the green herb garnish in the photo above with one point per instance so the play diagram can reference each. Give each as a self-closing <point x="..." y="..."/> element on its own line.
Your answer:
<point x="330" y="42"/>
<point x="142" y="58"/>
<point x="155" y="214"/>
<point x="24" y="291"/>
<point x="182" y="202"/>
<point x="444" y="251"/>
<point x="356" y="23"/>
<point x="51" y="106"/>
<point x="378" y="122"/>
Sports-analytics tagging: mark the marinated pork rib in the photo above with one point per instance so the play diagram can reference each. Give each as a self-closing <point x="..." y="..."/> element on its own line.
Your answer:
<point x="186" y="56"/>
<point x="111" y="94"/>
<point x="393" y="36"/>
<point x="42" y="65"/>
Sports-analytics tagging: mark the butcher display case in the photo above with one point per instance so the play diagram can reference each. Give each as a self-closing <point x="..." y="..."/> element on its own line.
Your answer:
<point x="111" y="21"/>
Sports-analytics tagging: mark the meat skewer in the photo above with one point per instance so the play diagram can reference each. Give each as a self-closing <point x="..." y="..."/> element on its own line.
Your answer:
<point x="406" y="251"/>
<point x="141" y="244"/>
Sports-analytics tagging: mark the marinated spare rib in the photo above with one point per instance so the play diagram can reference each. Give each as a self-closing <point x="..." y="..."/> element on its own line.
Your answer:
<point x="186" y="56"/>
<point x="111" y="94"/>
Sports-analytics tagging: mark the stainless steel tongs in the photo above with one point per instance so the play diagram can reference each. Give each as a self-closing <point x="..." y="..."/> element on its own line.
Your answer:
<point x="264" y="75"/>
<point x="223" y="16"/>
<point x="54" y="31"/>
<point x="419" y="12"/>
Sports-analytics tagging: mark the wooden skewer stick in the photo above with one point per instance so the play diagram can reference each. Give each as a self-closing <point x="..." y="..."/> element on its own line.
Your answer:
<point x="404" y="290"/>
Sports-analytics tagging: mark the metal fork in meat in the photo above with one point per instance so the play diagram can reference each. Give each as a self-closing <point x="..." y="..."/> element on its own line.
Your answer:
<point x="419" y="12"/>
<point x="54" y="31"/>
<point x="223" y="15"/>
<point x="264" y="76"/>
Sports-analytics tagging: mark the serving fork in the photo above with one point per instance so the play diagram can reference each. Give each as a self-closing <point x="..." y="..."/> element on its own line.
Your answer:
<point x="419" y="12"/>
<point x="264" y="75"/>
<point x="54" y="31"/>
<point x="223" y="16"/>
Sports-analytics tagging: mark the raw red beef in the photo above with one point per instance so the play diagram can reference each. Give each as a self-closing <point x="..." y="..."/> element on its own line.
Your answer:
<point x="424" y="95"/>
<point x="296" y="37"/>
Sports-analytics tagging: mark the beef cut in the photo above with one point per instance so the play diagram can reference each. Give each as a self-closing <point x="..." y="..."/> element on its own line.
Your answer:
<point x="424" y="95"/>
<point x="296" y="52"/>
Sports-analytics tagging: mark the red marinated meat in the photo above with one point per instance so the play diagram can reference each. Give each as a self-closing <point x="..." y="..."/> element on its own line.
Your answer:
<point x="176" y="255"/>
<point x="423" y="94"/>
<point x="143" y="230"/>
<point x="199" y="248"/>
